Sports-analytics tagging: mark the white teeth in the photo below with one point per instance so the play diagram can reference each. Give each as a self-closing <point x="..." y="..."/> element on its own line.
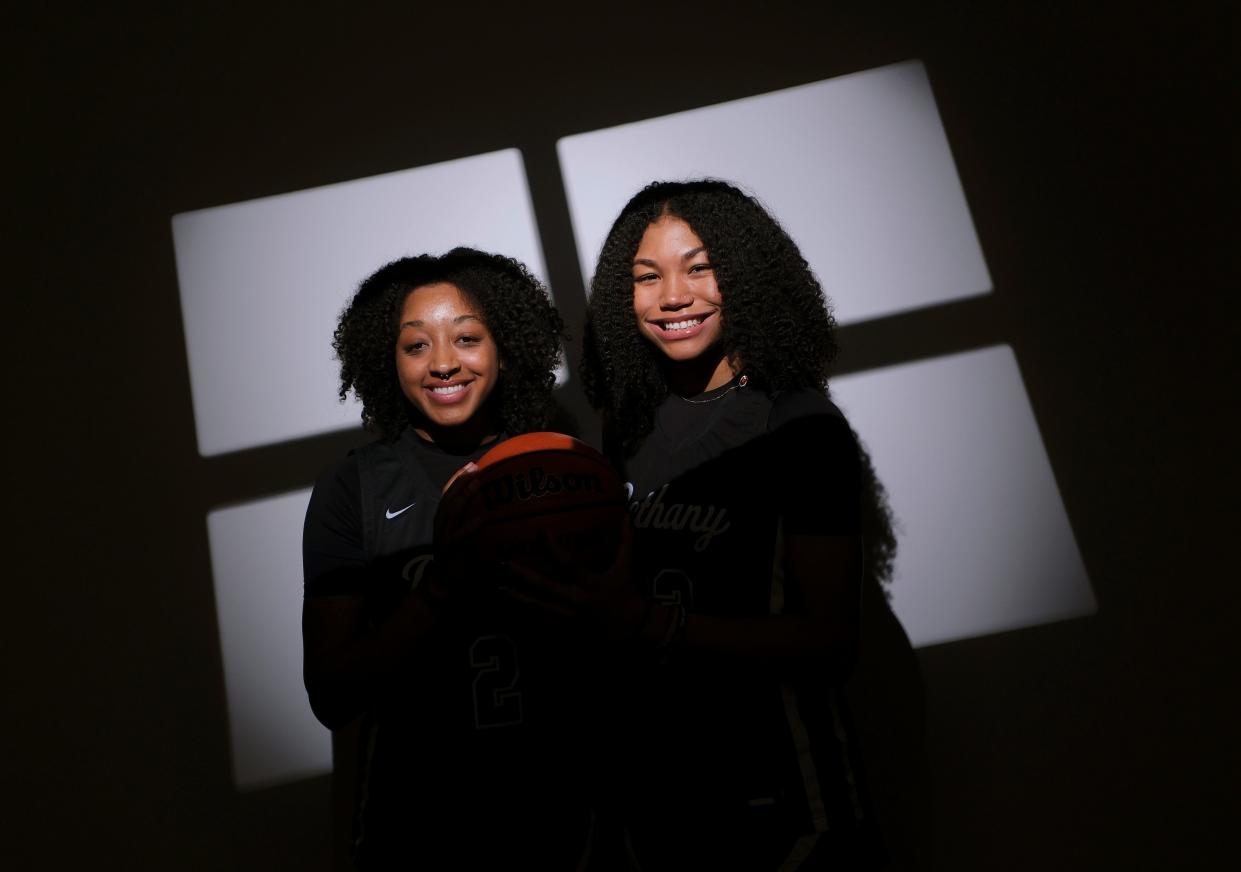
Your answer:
<point x="451" y="389"/>
<point x="683" y="325"/>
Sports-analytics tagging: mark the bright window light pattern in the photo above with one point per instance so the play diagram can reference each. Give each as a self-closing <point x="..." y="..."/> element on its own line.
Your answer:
<point x="985" y="544"/>
<point x="856" y="168"/>
<point x="256" y="560"/>
<point x="262" y="283"/>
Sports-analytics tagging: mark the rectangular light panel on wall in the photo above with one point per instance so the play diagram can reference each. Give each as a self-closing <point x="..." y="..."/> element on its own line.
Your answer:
<point x="263" y="282"/>
<point x="256" y="560"/>
<point x="856" y="168"/>
<point x="984" y="540"/>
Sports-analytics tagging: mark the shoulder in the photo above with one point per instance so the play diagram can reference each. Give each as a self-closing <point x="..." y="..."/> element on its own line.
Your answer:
<point x="337" y="480"/>
<point x="811" y="436"/>
<point x="807" y="424"/>
<point x="338" y="489"/>
<point x="334" y="512"/>
<point x="379" y="449"/>
<point x="332" y="533"/>
<point x="381" y="463"/>
<point x="802" y="403"/>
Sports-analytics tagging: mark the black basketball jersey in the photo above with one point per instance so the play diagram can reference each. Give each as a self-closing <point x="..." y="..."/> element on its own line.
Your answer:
<point x="733" y="765"/>
<point x="471" y="763"/>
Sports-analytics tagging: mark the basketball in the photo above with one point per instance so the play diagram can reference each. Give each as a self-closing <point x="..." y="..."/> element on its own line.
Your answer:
<point x="532" y="490"/>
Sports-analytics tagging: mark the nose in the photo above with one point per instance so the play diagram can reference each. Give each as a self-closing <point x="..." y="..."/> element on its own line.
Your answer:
<point x="674" y="293"/>
<point x="445" y="364"/>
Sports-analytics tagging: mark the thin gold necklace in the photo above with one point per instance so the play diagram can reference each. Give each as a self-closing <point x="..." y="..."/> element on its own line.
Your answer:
<point x="741" y="382"/>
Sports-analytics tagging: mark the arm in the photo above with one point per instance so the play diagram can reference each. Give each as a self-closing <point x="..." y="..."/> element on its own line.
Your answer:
<point x="821" y="556"/>
<point x="825" y="573"/>
<point x="348" y="664"/>
<point x="818" y="631"/>
<point x="818" y="624"/>
<point x="349" y="661"/>
<point x="823" y="577"/>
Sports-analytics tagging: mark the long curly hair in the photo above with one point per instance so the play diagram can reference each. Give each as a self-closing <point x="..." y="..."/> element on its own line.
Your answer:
<point x="775" y="320"/>
<point x="512" y="303"/>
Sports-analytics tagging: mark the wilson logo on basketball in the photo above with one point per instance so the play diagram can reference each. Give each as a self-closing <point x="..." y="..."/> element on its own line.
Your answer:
<point x="535" y="484"/>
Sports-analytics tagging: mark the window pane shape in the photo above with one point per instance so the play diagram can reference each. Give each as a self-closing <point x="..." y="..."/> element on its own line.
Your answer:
<point x="256" y="561"/>
<point x="857" y="169"/>
<point x="985" y="542"/>
<point x="262" y="284"/>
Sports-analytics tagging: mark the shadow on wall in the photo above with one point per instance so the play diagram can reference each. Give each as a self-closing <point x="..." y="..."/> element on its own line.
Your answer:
<point x="285" y="827"/>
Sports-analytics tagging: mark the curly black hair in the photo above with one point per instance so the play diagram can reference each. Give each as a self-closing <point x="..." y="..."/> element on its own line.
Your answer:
<point x="512" y="303"/>
<point x="775" y="320"/>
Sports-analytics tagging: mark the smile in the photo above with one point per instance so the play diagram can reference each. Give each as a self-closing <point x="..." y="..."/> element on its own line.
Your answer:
<point x="684" y="327"/>
<point x="447" y="393"/>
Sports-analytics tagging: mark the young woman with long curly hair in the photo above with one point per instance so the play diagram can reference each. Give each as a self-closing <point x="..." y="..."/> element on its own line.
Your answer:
<point x="707" y="351"/>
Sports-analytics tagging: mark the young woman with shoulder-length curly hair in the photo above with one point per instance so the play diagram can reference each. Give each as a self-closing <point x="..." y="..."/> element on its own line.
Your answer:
<point x="512" y="304"/>
<point x="461" y="765"/>
<point x="707" y="351"/>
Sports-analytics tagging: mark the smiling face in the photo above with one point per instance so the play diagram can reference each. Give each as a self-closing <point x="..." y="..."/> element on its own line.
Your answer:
<point x="678" y="306"/>
<point x="447" y="363"/>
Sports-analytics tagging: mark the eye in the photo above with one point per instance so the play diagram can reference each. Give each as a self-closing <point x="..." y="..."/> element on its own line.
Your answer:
<point x="644" y="278"/>
<point x="415" y="347"/>
<point x="700" y="267"/>
<point x="469" y="339"/>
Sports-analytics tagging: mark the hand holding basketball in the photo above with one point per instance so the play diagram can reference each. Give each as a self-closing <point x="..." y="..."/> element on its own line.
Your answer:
<point x="603" y="603"/>
<point x="542" y="500"/>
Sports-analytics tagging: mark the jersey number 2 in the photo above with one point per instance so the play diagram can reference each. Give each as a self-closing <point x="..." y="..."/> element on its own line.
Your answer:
<point x="497" y="697"/>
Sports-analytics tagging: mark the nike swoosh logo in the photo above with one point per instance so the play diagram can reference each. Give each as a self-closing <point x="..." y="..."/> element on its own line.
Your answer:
<point x="389" y="514"/>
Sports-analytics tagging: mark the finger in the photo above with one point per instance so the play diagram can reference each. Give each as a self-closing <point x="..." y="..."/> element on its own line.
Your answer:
<point x="567" y="560"/>
<point x="557" y="550"/>
<point x="462" y="529"/>
<point x="588" y="570"/>
<point x="464" y="472"/>
<point x="459" y="491"/>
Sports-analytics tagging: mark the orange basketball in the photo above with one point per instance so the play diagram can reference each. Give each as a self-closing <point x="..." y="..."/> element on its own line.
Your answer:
<point x="534" y="489"/>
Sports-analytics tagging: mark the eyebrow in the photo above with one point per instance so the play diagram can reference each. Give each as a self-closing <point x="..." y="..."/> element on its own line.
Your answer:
<point x="458" y="320"/>
<point x="691" y="253"/>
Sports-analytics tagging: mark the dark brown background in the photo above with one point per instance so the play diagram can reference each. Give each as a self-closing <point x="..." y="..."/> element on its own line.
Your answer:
<point x="1094" y="157"/>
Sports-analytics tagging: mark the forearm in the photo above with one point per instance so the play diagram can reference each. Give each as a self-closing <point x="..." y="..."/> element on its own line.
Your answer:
<point x="783" y="643"/>
<point x="347" y="674"/>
